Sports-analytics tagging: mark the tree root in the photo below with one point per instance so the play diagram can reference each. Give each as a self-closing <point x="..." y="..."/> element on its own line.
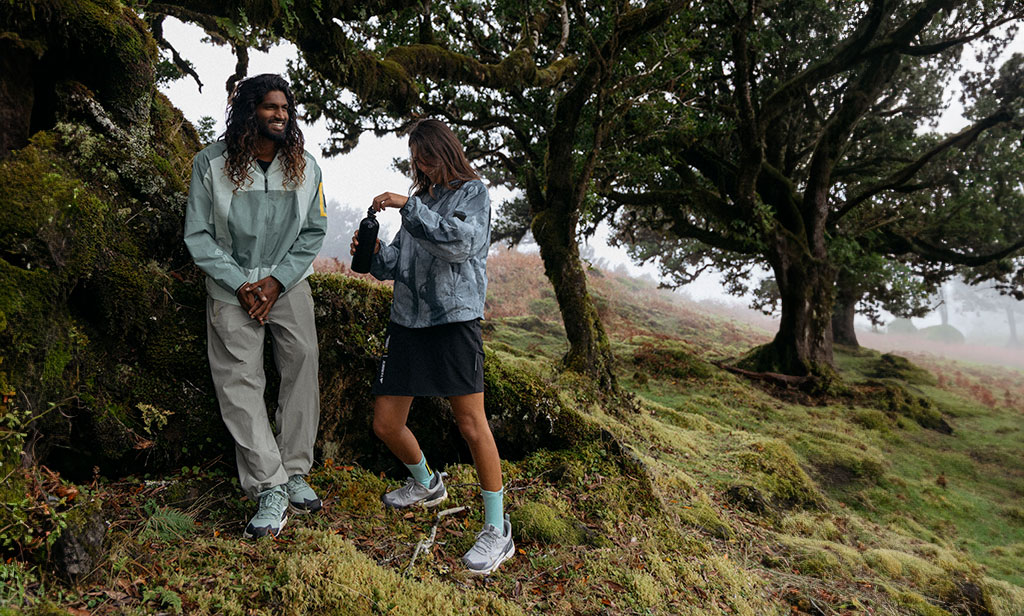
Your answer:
<point x="784" y="380"/>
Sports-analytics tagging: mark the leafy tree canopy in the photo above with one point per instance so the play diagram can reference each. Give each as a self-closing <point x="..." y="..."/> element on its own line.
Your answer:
<point x="799" y="146"/>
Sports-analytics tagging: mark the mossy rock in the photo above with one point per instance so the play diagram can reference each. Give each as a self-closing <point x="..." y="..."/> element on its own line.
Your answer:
<point x="837" y="464"/>
<point x="895" y="400"/>
<point x="541" y="523"/>
<point x="672" y="361"/>
<point x="946" y="334"/>
<point x="823" y="559"/>
<point x="891" y="366"/>
<point x="872" y="419"/>
<point x="79" y="549"/>
<point x="774" y="469"/>
<point x="526" y="413"/>
<point x="700" y="513"/>
<point x="918" y="605"/>
<point x="352" y="317"/>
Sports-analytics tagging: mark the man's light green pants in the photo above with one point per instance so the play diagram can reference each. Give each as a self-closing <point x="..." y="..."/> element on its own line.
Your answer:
<point x="235" y="347"/>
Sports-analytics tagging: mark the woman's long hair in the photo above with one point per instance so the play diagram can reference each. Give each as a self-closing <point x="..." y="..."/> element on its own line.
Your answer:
<point x="434" y="145"/>
<point x="243" y="133"/>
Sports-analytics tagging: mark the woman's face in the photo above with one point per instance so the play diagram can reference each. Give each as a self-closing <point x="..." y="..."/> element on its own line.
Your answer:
<point x="426" y="166"/>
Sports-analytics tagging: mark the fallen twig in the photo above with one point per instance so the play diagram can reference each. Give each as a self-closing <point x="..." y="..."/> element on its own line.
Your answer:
<point x="428" y="541"/>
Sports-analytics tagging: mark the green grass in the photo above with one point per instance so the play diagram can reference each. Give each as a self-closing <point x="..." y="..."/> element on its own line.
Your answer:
<point x="716" y="497"/>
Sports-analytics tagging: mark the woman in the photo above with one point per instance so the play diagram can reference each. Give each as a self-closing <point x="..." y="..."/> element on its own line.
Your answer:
<point x="434" y="345"/>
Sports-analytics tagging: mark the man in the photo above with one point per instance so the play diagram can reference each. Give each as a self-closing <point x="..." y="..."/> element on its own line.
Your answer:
<point x="254" y="223"/>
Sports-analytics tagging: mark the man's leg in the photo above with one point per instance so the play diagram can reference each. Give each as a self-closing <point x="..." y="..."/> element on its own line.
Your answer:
<point x="235" y="350"/>
<point x="297" y="357"/>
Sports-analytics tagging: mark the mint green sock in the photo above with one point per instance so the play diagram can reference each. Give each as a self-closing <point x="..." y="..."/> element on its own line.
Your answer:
<point x="421" y="472"/>
<point x="494" y="508"/>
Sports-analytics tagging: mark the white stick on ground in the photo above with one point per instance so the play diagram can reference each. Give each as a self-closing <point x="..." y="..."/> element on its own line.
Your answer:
<point x="428" y="542"/>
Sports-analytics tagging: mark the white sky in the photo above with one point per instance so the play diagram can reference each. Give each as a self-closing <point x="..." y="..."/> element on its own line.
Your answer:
<point x="355" y="178"/>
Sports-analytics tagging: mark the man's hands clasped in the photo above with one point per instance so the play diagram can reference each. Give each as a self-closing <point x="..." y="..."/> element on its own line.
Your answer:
<point x="257" y="298"/>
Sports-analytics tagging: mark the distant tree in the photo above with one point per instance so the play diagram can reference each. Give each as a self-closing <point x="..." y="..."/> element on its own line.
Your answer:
<point x="798" y="143"/>
<point x="987" y="298"/>
<point x="344" y="222"/>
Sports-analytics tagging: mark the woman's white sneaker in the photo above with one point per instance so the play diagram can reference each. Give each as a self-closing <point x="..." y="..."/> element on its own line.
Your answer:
<point x="492" y="548"/>
<point x="413" y="493"/>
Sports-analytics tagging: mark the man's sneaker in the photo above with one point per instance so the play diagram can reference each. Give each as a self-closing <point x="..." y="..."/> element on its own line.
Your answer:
<point x="272" y="514"/>
<point x="301" y="497"/>
<point x="413" y="493"/>
<point x="492" y="548"/>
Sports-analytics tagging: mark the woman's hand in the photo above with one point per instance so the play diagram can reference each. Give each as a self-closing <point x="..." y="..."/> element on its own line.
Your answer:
<point x="388" y="199"/>
<point x="355" y="242"/>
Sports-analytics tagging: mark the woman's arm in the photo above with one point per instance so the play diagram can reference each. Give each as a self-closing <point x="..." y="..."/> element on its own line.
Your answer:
<point x="458" y="236"/>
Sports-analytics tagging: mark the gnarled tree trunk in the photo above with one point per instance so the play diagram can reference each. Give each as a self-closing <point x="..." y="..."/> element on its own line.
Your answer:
<point x="847" y="296"/>
<point x="589" y="351"/>
<point x="803" y="344"/>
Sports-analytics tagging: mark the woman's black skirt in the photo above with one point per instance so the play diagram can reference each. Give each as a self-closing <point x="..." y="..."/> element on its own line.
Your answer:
<point x="443" y="360"/>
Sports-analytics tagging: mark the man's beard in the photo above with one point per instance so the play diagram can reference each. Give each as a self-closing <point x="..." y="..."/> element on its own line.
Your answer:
<point x="264" y="130"/>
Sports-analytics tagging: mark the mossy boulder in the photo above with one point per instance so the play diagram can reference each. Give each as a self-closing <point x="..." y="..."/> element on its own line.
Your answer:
<point x="903" y="327"/>
<point x="946" y="334"/>
<point x="352" y="316"/>
<point x="527" y="414"/>
<point x="675" y="361"/>
<point x="897" y="401"/>
<point x="773" y="468"/>
<point x="542" y="523"/>
<point x="837" y="464"/>
<point x="891" y="366"/>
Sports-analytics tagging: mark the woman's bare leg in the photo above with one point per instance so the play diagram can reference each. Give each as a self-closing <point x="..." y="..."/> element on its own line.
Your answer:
<point x="472" y="422"/>
<point x="389" y="416"/>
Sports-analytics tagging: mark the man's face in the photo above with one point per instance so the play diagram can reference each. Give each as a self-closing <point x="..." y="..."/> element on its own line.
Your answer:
<point x="272" y="115"/>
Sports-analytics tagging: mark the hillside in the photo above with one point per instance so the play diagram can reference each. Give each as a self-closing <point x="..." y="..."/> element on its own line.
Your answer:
<point x="712" y="495"/>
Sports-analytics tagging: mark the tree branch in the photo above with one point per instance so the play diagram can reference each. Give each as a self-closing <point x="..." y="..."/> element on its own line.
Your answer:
<point x="907" y="173"/>
<point x="900" y="244"/>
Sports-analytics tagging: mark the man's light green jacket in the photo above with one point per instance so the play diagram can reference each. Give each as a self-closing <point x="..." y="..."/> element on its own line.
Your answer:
<point x="261" y="229"/>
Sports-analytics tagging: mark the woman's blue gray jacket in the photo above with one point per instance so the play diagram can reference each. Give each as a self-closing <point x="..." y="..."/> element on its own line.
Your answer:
<point x="438" y="259"/>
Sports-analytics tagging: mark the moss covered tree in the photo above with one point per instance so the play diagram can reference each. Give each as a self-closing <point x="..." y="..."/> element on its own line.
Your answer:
<point x="534" y="88"/>
<point x="801" y="130"/>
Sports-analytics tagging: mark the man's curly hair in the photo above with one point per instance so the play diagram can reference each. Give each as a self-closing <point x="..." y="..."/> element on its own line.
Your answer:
<point x="242" y="134"/>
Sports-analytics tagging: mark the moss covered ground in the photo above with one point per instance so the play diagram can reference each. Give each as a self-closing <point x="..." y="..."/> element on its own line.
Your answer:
<point x="714" y="497"/>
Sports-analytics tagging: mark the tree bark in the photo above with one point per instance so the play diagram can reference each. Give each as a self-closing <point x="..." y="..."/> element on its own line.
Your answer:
<point x="943" y="305"/>
<point x="847" y="296"/>
<point x="589" y="350"/>
<point x="803" y="344"/>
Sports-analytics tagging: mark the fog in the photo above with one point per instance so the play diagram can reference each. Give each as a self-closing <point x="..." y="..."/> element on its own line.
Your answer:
<point x="352" y="180"/>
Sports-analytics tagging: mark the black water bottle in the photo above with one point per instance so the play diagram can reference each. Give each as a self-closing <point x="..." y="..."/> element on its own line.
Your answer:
<point x="367" y="242"/>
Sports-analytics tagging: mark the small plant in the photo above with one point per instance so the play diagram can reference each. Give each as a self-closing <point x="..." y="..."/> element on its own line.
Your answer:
<point x="15" y="578"/>
<point x="153" y="417"/>
<point x="166" y="523"/>
<point x="164" y="598"/>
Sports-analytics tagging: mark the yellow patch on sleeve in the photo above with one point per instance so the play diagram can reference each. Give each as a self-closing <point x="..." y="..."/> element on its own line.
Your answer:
<point x="320" y="193"/>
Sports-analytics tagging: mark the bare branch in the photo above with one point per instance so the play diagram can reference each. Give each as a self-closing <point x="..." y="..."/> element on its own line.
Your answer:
<point x="156" y="26"/>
